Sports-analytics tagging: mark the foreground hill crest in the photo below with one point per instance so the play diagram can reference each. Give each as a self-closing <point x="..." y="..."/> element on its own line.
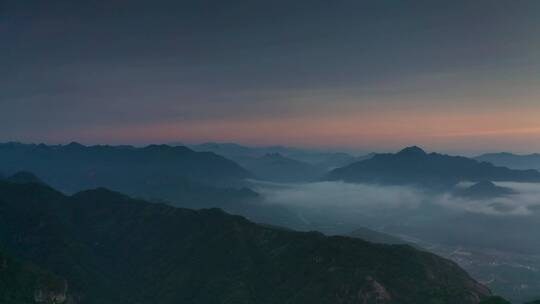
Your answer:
<point x="105" y="245"/>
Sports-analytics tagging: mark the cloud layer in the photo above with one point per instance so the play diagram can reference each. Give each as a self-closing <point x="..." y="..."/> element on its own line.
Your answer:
<point x="504" y="223"/>
<point x="339" y="195"/>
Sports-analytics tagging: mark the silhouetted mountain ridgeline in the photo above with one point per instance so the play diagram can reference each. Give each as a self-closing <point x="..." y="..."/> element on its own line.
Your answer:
<point x="413" y="166"/>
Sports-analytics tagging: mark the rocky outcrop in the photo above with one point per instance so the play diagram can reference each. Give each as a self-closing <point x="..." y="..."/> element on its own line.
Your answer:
<point x="48" y="295"/>
<point x="23" y="283"/>
<point x="374" y="293"/>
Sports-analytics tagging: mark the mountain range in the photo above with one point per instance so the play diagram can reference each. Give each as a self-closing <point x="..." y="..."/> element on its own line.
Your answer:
<point x="278" y="168"/>
<point x="158" y="172"/>
<point x="514" y="161"/>
<point x="323" y="161"/>
<point x="114" y="249"/>
<point x="413" y="166"/>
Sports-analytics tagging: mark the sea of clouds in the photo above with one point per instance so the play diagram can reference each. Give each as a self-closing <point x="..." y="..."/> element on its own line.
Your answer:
<point x="338" y="207"/>
<point x="371" y="198"/>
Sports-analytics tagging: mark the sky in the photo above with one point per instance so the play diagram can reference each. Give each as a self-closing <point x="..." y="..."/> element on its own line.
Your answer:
<point x="451" y="76"/>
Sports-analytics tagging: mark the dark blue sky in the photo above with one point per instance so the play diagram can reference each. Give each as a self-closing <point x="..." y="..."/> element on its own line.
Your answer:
<point x="450" y="75"/>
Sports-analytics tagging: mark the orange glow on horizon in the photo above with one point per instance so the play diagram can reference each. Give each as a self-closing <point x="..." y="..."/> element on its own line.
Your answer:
<point x="385" y="130"/>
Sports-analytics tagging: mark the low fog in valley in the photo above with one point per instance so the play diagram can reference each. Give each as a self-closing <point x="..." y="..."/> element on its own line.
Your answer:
<point x="492" y="238"/>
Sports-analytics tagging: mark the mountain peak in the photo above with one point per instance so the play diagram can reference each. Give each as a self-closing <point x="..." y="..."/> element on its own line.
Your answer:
<point x="24" y="177"/>
<point x="74" y="145"/>
<point x="485" y="190"/>
<point x="484" y="184"/>
<point x="275" y="155"/>
<point x="413" y="150"/>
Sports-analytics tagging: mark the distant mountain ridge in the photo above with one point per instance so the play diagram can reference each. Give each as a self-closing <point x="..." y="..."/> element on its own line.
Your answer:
<point x="176" y="174"/>
<point x="177" y="161"/>
<point x="113" y="249"/>
<point x="322" y="160"/>
<point x="278" y="168"/>
<point x="514" y="161"/>
<point x="413" y="166"/>
<point x="23" y="177"/>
